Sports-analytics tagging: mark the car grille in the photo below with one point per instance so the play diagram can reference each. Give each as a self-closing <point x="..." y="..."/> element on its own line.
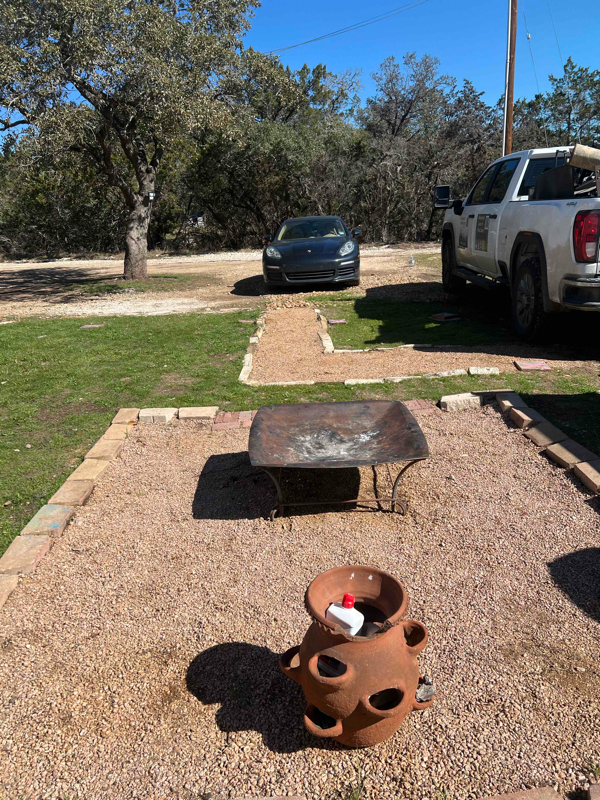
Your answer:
<point x="346" y="272"/>
<point x="311" y="275"/>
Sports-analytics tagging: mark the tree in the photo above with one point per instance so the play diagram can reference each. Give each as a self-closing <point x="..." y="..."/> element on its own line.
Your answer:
<point x="119" y="81"/>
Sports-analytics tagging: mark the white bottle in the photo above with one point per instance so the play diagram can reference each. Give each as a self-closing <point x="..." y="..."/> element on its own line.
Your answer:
<point x="411" y="260"/>
<point x="347" y="617"/>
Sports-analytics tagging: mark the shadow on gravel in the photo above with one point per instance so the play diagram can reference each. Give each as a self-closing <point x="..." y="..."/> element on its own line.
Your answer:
<point x="229" y="487"/>
<point x="254" y="695"/>
<point x="255" y="287"/>
<point x="578" y="575"/>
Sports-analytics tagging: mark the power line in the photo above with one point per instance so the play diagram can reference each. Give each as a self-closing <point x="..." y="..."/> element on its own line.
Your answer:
<point x="568" y="82"/>
<point x="357" y="25"/>
<point x="537" y="83"/>
<point x="556" y="35"/>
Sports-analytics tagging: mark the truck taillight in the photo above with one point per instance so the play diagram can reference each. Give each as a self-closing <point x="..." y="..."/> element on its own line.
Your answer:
<point x="585" y="236"/>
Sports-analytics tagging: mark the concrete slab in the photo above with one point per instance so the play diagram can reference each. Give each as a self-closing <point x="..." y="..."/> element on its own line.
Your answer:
<point x="157" y="414"/>
<point x="525" y="417"/>
<point x="588" y="473"/>
<point x="362" y="381"/>
<point x="118" y="432"/>
<point x="200" y="413"/>
<point x="460" y="402"/>
<point x="543" y="793"/>
<point x="125" y="416"/>
<point x="545" y="433"/>
<point x="484" y="371"/>
<point x="50" y="520"/>
<point x="594" y="792"/>
<point x="8" y="583"/>
<point x="569" y="453"/>
<point x="24" y="554"/>
<point x="508" y="400"/>
<point x="105" y="449"/>
<point x="532" y="365"/>
<point x="72" y="493"/>
<point x="90" y="470"/>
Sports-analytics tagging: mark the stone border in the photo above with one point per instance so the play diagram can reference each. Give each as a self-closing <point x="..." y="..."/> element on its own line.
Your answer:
<point x="551" y="441"/>
<point x="329" y="349"/>
<point x="252" y="348"/>
<point x="28" y="548"/>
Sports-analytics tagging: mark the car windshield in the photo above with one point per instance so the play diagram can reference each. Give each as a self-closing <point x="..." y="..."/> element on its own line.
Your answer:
<point x="310" y="229"/>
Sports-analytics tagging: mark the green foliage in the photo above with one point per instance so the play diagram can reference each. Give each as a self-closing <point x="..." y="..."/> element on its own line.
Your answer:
<point x="111" y="92"/>
<point x="118" y="81"/>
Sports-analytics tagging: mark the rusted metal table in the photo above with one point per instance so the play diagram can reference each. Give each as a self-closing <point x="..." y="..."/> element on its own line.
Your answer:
<point x="336" y="436"/>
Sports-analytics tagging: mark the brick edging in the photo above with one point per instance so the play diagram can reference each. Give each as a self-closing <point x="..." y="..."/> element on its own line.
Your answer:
<point x="550" y="440"/>
<point x="252" y="347"/>
<point x="28" y="548"/>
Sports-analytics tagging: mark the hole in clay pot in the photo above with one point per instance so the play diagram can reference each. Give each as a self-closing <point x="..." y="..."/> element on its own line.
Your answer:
<point x="291" y="660"/>
<point x="413" y="634"/>
<point x="386" y="699"/>
<point x="320" y="719"/>
<point x="329" y="667"/>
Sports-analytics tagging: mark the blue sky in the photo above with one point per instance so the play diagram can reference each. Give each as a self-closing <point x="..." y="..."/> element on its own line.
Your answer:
<point x="469" y="38"/>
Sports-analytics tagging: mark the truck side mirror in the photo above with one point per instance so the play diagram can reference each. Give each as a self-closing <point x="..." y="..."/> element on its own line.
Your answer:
<point x="442" y="197"/>
<point x="457" y="207"/>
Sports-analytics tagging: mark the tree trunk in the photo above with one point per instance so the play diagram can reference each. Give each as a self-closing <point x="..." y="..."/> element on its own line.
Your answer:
<point x="136" y="241"/>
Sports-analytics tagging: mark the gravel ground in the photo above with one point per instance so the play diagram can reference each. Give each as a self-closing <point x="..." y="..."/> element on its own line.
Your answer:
<point x="140" y="660"/>
<point x="230" y="281"/>
<point x="291" y="350"/>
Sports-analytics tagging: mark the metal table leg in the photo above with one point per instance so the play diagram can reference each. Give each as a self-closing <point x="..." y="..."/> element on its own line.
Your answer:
<point x="395" y="504"/>
<point x="277" y="481"/>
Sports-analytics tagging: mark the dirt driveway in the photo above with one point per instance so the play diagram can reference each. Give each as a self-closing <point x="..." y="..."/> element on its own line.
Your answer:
<point x="213" y="283"/>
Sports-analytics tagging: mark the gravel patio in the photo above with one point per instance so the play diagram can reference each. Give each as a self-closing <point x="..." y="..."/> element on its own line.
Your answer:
<point x="140" y="659"/>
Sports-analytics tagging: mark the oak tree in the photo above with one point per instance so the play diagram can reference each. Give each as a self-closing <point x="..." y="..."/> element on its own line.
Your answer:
<point x="120" y="81"/>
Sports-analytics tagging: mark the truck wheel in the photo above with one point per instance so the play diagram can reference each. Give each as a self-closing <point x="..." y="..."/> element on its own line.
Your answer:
<point x="527" y="300"/>
<point x="451" y="283"/>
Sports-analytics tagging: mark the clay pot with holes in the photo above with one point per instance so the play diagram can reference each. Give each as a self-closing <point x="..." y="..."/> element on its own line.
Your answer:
<point x="359" y="688"/>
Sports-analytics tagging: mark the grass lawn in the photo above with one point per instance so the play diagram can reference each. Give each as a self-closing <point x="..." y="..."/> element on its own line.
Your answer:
<point x="154" y="283"/>
<point x="381" y="321"/>
<point x="60" y="387"/>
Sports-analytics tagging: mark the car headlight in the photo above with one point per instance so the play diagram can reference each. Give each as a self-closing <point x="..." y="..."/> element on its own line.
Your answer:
<point x="346" y="249"/>
<point x="273" y="252"/>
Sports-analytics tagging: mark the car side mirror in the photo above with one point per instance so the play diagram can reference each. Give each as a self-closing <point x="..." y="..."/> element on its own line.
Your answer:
<point x="356" y="232"/>
<point x="442" y="197"/>
<point x="268" y="238"/>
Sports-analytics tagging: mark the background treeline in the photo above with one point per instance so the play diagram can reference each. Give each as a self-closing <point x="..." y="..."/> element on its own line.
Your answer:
<point x="302" y="144"/>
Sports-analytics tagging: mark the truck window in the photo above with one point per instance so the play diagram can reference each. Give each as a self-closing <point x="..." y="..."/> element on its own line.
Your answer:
<point x="479" y="193"/>
<point x="502" y="180"/>
<point x="537" y="167"/>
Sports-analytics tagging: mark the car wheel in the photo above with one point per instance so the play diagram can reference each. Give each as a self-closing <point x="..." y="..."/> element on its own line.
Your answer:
<point x="527" y="299"/>
<point x="451" y="283"/>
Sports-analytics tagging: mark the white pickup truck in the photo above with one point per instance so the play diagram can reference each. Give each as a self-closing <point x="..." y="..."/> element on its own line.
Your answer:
<point x="532" y="223"/>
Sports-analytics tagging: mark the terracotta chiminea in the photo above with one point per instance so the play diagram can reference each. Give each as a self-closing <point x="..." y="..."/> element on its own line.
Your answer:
<point x="358" y="688"/>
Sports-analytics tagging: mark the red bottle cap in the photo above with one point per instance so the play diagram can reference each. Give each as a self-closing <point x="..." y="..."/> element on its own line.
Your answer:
<point x="348" y="601"/>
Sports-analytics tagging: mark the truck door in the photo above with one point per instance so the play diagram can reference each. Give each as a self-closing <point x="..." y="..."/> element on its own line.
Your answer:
<point x="468" y="220"/>
<point x="484" y="213"/>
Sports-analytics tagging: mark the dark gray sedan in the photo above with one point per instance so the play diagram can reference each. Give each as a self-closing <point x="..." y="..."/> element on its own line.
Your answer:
<point x="311" y="250"/>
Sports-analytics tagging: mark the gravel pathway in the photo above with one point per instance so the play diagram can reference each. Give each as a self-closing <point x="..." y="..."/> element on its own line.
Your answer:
<point x="291" y="350"/>
<point x="140" y="660"/>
